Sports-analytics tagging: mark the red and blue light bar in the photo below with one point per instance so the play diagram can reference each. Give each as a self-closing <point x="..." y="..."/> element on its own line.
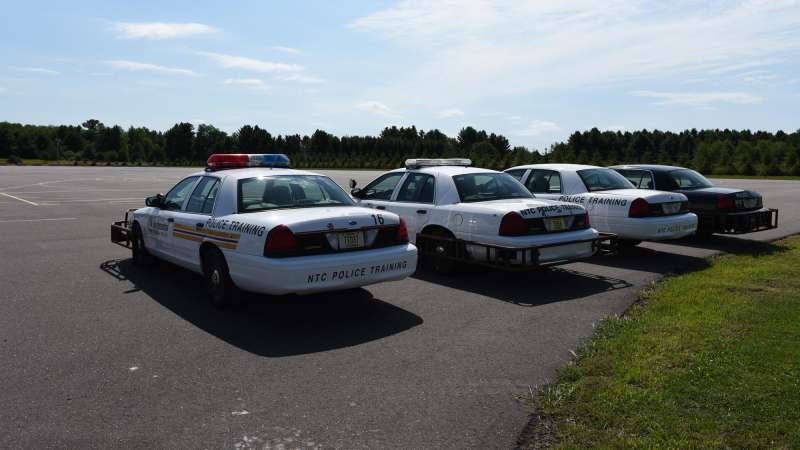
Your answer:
<point x="219" y="161"/>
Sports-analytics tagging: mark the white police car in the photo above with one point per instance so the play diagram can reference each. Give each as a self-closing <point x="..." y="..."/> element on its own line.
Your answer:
<point x="614" y="204"/>
<point x="459" y="213"/>
<point x="252" y="223"/>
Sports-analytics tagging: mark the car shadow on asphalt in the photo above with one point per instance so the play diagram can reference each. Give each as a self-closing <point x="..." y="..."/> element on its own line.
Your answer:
<point x="266" y="325"/>
<point x="535" y="288"/>
<point x="733" y="244"/>
<point x="651" y="260"/>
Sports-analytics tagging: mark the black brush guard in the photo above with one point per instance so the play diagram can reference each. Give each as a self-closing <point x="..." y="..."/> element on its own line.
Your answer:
<point x="737" y="223"/>
<point x="121" y="230"/>
<point x="504" y="257"/>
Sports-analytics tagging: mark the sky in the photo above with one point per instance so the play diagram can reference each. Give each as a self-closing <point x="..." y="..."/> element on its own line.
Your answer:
<point x="534" y="71"/>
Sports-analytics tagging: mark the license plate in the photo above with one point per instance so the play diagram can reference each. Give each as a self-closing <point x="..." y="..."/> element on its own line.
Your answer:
<point x="353" y="239"/>
<point x="556" y="224"/>
<point x="671" y="208"/>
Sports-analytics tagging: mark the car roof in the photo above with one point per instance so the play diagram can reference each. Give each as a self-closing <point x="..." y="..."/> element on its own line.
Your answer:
<point x="250" y="172"/>
<point x="654" y="167"/>
<point x="557" y="166"/>
<point x="447" y="170"/>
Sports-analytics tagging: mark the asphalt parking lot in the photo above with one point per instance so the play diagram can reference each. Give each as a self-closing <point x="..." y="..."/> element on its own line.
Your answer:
<point x="97" y="353"/>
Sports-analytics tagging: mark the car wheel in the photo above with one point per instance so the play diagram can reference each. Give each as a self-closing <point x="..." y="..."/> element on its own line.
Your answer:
<point x="139" y="252"/>
<point x="220" y="288"/>
<point x="440" y="261"/>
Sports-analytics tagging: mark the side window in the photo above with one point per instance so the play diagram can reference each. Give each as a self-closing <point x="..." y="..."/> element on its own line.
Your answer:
<point x="202" y="199"/>
<point x="544" y="182"/>
<point x="516" y="173"/>
<point x="418" y="188"/>
<point x="642" y="179"/>
<point x="176" y="196"/>
<point x="382" y="188"/>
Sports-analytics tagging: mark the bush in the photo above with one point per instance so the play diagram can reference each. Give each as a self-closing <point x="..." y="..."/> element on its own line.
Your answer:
<point x="16" y="160"/>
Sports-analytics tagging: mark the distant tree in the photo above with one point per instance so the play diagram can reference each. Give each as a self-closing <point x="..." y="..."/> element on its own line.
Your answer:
<point x="178" y="142"/>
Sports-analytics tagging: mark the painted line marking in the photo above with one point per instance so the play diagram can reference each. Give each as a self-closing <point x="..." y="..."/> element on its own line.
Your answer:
<point x="38" y="220"/>
<point x="20" y="199"/>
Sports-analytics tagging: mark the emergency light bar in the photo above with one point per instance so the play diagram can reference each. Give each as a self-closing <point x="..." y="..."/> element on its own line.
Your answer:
<point x="219" y="161"/>
<point x="424" y="162"/>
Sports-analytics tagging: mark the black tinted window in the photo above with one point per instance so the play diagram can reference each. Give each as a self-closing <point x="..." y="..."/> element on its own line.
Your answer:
<point x="516" y="173"/>
<point x="642" y="179"/>
<point x="202" y="199"/>
<point x="418" y="187"/>
<point x="689" y="179"/>
<point x="382" y="187"/>
<point x="603" y="180"/>
<point x="544" y="182"/>
<point x="176" y="196"/>
<point x="481" y="187"/>
<point x="290" y="191"/>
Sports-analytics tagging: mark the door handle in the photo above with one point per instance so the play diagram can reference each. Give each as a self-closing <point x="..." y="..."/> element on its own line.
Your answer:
<point x="422" y="211"/>
<point x="380" y="207"/>
<point x="170" y="220"/>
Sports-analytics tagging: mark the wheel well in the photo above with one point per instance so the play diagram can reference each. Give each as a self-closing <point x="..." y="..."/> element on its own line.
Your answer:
<point x="437" y="229"/>
<point x="205" y="249"/>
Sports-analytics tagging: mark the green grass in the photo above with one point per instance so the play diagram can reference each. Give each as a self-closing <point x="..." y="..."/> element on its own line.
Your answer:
<point x="709" y="359"/>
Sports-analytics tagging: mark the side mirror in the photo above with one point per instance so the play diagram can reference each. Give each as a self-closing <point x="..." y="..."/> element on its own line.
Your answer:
<point x="156" y="201"/>
<point x="355" y="192"/>
<point x="353" y="183"/>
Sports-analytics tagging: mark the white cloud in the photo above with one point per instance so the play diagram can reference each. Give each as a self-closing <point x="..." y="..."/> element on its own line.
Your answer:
<point x="251" y="64"/>
<point x="377" y="108"/>
<point x="160" y="30"/>
<point x="146" y="67"/>
<point x="475" y="49"/>
<point x="699" y="98"/>
<point x="538" y="128"/>
<point x="300" y="78"/>
<point x="3" y="90"/>
<point x="450" y="113"/>
<point x="39" y="70"/>
<point x="250" y="83"/>
<point x="289" y="50"/>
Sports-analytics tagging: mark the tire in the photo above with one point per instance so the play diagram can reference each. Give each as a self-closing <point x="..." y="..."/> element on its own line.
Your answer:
<point x="141" y="257"/>
<point x="442" y="266"/>
<point x="219" y="286"/>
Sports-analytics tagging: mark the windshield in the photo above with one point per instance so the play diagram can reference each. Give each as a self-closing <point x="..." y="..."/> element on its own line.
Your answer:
<point x="603" y="180"/>
<point x="289" y="191"/>
<point x="482" y="187"/>
<point x="689" y="179"/>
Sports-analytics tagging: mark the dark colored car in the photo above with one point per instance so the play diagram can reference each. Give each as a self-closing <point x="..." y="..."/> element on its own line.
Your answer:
<point x="718" y="209"/>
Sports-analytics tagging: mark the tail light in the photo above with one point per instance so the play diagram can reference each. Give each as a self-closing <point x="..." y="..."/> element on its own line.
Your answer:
<point x="726" y="202"/>
<point x="402" y="233"/>
<point x="586" y="222"/>
<point x="280" y="240"/>
<point x="513" y="225"/>
<point x="639" y="208"/>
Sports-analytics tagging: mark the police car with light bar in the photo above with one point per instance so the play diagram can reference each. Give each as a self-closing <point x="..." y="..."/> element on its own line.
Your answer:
<point x="249" y="222"/>
<point x="614" y="204"/>
<point x="457" y="213"/>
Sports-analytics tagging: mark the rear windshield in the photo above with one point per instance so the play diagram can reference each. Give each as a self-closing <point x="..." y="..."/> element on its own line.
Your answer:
<point x="603" y="180"/>
<point x="483" y="187"/>
<point x="689" y="179"/>
<point x="290" y="191"/>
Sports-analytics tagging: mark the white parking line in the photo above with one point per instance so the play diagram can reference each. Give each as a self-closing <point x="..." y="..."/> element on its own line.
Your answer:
<point x="38" y="220"/>
<point x="20" y="199"/>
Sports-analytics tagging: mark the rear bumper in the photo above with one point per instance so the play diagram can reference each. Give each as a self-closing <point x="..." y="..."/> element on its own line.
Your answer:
<point x="738" y="223"/>
<point x="319" y="273"/>
<point x="656" y="228"/>
<point x="517" y="257"/>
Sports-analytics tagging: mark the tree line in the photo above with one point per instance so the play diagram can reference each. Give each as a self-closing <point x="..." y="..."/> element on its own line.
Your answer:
<point x="728" y="152"/>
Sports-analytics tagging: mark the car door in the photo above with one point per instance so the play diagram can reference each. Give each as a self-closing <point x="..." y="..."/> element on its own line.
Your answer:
<point x="544" y="183"/>
<point x="378" y="193"/>
<point x="414" y="201"/>
<point x="173" y="204"/>
<point x="190" y="222"/>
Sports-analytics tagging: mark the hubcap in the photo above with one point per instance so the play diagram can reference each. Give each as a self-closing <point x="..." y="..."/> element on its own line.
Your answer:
<point x="215" y="278"/>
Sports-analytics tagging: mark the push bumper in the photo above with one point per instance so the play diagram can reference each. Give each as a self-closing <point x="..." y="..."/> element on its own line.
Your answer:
<point x="121" y="230"/>
<point x="319" y="273"/>
<point x="516" y="257"/>
<point x="738" y="223"/>
<point x="656" y="228"/>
